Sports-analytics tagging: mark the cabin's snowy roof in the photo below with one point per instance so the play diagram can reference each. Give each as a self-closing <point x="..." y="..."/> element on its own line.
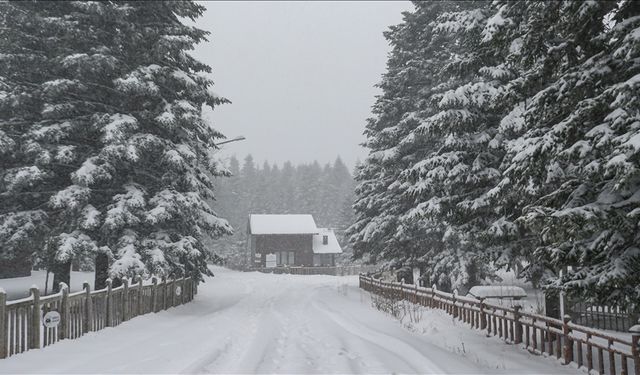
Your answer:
<point x="332" y="246"/>
<point x="497" y="291"/>
<point x="282" y="224"/>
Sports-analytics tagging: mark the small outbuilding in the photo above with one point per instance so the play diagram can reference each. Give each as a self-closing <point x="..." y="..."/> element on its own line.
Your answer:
<point x="502" y="295"/>
<point x="290" y="240"/>
<point x="497" y="292"/>
<point x="325" y="248"/>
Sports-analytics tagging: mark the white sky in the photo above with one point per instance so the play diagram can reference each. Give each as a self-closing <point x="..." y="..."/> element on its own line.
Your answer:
<point x="300" y="75"/>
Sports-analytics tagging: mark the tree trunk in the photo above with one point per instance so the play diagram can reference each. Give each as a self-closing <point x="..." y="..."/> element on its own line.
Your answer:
<point x="46" y="283"/>
<point x="61" y="274"/>
<point x="102" y="271"/>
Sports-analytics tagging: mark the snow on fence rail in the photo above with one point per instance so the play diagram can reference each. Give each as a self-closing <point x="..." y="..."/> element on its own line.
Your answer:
<point x="584" y="347"/>
<point x="23" y="325"/>
<point x="335" y="271"/>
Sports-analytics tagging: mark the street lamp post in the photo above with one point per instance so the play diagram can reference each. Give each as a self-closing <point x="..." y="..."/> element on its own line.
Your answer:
<point x="240" y="138"/>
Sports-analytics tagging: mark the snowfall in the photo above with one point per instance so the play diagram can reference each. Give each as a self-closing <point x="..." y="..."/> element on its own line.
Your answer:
<point x="242" y="323"/>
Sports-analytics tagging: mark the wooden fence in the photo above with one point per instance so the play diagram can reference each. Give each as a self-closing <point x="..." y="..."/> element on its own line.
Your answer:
<point x="334" y="271"/>
<point x="602" y="317"/>
<point x="585" y="347"/>
<point x="21" y="321"/>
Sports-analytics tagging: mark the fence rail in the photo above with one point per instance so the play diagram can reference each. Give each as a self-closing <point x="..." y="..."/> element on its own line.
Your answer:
<point x="335" y="271"/>
<point x="588" y="348"/>
<point x="22" y="325"/>
<point x="602" y="317"/>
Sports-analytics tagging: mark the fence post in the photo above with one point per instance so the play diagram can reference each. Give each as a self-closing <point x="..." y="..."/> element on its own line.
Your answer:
<point x="140" y="304"/>
<point x="109" y="316"/>
<point x="34" y="330"/>
<point x="3" y="324"/>
<point x="455" y="307"/>
<point x="483" y="316"/>
<point x="173" y="292"/>
<point x="125" y="300"/>
<point x="568" y="342"/>
<point x="164" y="294"/>
<point x="517" y="326"/>
<point x="635" y="347"/>
<point x="88" y="311"/>
<point x="154" y="294"/>
<point x="184" y="290"/>
<point x="432" y="303"/>
<point x="64" y="318"/>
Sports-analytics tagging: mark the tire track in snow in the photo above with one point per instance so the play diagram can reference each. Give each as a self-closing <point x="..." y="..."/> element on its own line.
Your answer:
<point x="249" y="322"/>
<point x="417" y="362"/>
<point x="235" y="346"/>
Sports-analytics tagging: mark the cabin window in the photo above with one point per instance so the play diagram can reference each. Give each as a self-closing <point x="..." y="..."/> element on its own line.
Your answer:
<point x="325" y="240"/>
<point x="285" y="258"/>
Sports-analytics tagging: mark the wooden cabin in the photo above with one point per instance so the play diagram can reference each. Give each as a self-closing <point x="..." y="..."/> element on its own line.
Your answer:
<point x="290" y="240"/>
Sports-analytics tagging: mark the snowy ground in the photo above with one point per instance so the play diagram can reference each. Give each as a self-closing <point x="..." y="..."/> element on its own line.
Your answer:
<point x="263" y="323"/>
<point x="18" y="287"/>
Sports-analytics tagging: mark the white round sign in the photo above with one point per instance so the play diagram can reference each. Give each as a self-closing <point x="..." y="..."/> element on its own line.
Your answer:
<point x="51" y="319"/>
<point x="178" y="290"/>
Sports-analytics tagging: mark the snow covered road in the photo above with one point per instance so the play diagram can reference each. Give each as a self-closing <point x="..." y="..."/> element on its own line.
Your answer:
<point x="257" y="323"/>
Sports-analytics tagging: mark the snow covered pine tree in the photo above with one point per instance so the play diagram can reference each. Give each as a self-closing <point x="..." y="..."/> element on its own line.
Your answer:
<point x="451" y="177"/>
<point x="377" y="204"/>
<point x="507" y="134"/>
<point x="122" y="160"/>
<point x="572" y="144"/>
<point x="430" y="141"/>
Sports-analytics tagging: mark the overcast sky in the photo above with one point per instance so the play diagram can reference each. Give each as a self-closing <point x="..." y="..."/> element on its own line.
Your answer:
<point x="300" y="75"/>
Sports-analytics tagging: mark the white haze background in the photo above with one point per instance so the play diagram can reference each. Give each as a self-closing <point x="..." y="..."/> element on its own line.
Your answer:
<point x="301" y="75"/>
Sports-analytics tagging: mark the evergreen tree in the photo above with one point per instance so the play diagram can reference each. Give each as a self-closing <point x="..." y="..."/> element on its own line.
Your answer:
<point x="26" y="171"/>
<point x="574" y="154"/>
<point x="286" y="189"/>
<point x="458" y="164"/>
<point x="506" y="134"/>
<point x="379" y="201"/>
<point x="117" y="112"/>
